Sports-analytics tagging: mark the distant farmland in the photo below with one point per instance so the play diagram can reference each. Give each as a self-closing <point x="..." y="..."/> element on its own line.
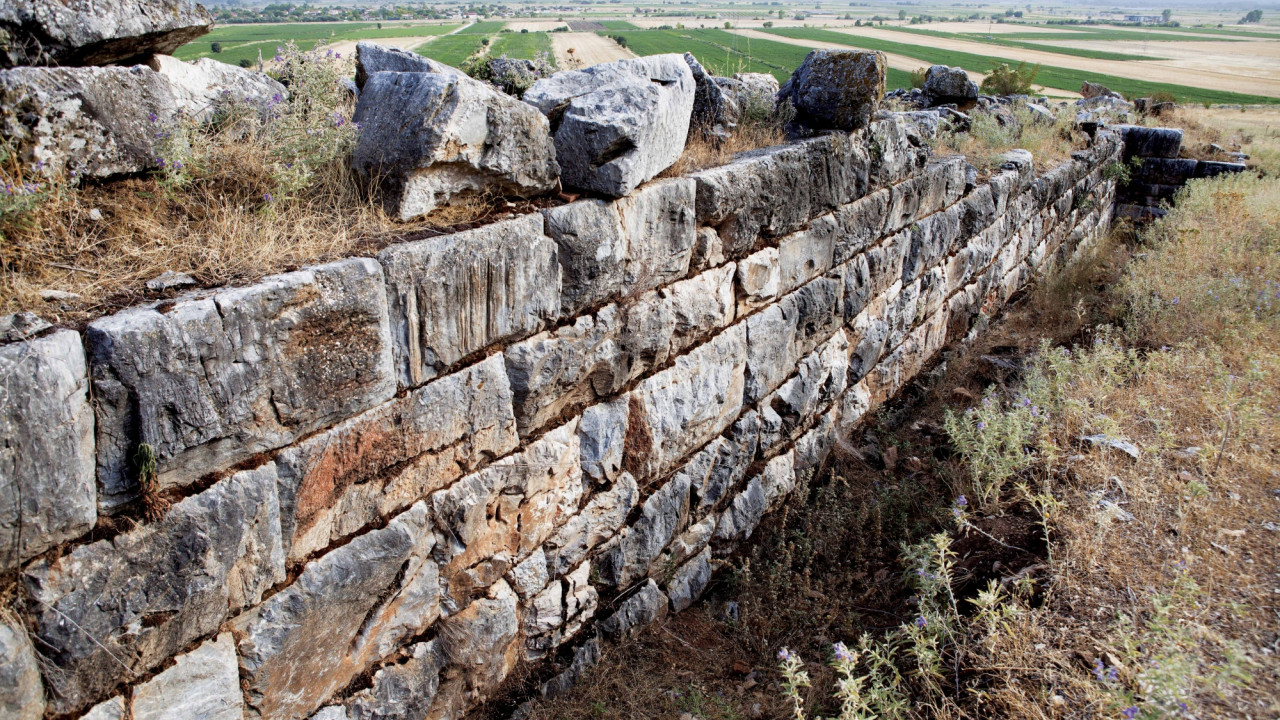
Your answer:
<point x="244" y="42"/>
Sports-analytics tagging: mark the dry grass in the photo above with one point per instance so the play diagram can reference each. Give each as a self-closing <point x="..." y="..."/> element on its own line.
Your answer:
<point x="987" y="140"/>
<point x="702" y="152"/>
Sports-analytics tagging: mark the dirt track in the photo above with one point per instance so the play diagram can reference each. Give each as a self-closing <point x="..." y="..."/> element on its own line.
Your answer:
<point x="588" y="49"/>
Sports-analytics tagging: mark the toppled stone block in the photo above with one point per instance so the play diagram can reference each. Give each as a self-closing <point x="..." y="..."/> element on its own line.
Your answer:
<point x="944" y="84"/>
<point x="47" y="492"/>
<point x="453" y="295"/>
<point x="663" y="515"/>
<point x="212" y="381"/>
<point x="347" y="610"/>
<point x="143" y="596"/>
<point x="644" y="606"/>
<point x="203" y="684"/>
<point x="839" y="89"/>
<point x="686" y="405"/>
<point x="205" y="86"/>
<point x="21" y="692"/>
<point x="98" y="32"/>
<point x="720" y="102"/>
<point x="1090" y="90"/>
<point x="689" y="580"/>
<point x="372" y="466"/>
<point x="374" y="58"/>
<point x="617" y="124"/>
<point x="429" y="137"/>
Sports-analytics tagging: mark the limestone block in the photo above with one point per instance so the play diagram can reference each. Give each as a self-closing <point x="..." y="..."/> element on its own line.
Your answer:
<point x="212" y="381"/>
<point x="819" y="380"/>
<point x="47" y="492"/>
<point x="977" y="211"/>
<point x="21" y="692"/>
<point x="602" y="433"/>
<point x="430" y="137"/>
<point x="481" y="643"/>
<point x="147" y="593"/>
<point x="376" y="464"/>
<point x="592" y="252"/>
<point x="931" y="241"/>
<point x="743" y="514"/>
<point x="708" y="250"/>
<point x="97" y="32"/>
<point x="839" y="89"/>
<point x="113" y="709"/>
<point x="400" y="691"/>
<point x="204" y="87"/>
<point x="658" y="222"/>
<point x="857" y="285"/>
<point x="885" y="261"/>
<point x="617" y="124"/>
<point x="644" y="606"/>
<point x="686" y="405"/>
<point x="585" y="656"/>
<point x="940" y="185"/>
<point x="869" y="335"/>
<point x="897" y="151"/>
<point x="598" y="521"/>
<point x="1153" y="142"/>
<point x="512" y="506"/>
<point x="531" y="576"/>
<point x="762" y="192"/>
<point x="372" y="58"/>
<point x="348" y="610"/>
<point x="759" y="278"/>
<point x="664" y="514"/>
<point x="781" y="334"/>
<point x="944" y="84"/>
<point x="805" y="255"/>
<point x="718" y="467"/>
<point x="854" y="405"/>
<point x="203" y="684"/>
<point x="861" y="223"/>
<point x="813" y="448"/>
<point x="454" y="295"/>
<point x="689" y="580"/>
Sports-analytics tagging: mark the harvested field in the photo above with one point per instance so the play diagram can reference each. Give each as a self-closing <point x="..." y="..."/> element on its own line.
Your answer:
<point x="588" y="49"/>
<point x="896" y="62"/>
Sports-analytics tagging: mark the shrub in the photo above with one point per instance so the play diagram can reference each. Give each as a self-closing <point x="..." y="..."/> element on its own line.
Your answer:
<point x="246" y="63"/>
<point x="215" y="47"/>
<point x="917" y="77"/>
<point x="1004" y="80"/>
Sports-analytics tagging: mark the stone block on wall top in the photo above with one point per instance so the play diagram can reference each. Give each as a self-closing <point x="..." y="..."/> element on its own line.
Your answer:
<point x="340" y="481"/>
<point x="97" y="32"/>
<point x="839" y="89"/>
<point x="347" y="610"/>
<point x="47" y="492"/>
<point x="454" y="295"/>
<point x="144" y="595"/>
<point x="212" y="381"/>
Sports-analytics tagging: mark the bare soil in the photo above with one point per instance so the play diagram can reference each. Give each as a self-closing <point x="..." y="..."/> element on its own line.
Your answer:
<point x="588" y="49"/>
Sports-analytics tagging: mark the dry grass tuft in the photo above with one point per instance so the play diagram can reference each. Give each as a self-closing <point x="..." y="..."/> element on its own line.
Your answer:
<point x="986" y="140"/>
<point x="702" y="152"/>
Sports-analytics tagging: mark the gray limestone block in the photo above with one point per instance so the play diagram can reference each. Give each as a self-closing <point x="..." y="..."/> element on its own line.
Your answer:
<point x="592" y="253"/>
<point x="818" y="382"/>
<point x="758" y="278"/>
<point x="664" y="514"/>
<point x="617" y="125"/>
<point x="744" y="513"/>
<point x="602" y="433"/>
<point x="143" y="596"/>
<point x="857" y="286"/>
<point x="761" y="192"/>
<point x="482" y="645"/>
<point x="430" y="137"/>
<point x="931" y="240"/>
<point x="212" y="381"/>
<point x="860" y="224"/>
<point x="97" y="32"/>
<point x="1149" y="142"/>
<point x="603" y="515"/>
<point x="348" y="610"/>
<point x="689" y="580"/>
<point x="646" y="605"/>
<point x="205" y="87"/>
<point x="372" y="466"/>
<point x="977" y="211"/>
<point x="203" y="684"/>
<point x="807" y="254"/>
<point x="585" y="656"/>
<point x="813" y="448"/>
<point x="374" y="58"/>
<point x="839" y="89"/>
<point x="658" y="221"/>
<point x="897" y="151"/>
<point x="113" y="709"/>
<point x="683" y="407"/>
<point x="944" y="84"/>
<point x="455" y="295"/>
<point x="780" y="335"/>
<point x="21" y="692"/>
<point x="402" y="690"/>
<point x="717" y="468"/>
<point x="47" y="490"/>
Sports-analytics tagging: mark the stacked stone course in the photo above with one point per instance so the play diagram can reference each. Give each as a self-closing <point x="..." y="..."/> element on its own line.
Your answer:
<point x="402" y="476"/>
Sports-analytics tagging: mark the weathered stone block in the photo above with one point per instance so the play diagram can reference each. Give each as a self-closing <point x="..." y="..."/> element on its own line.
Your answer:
<point x="593" y="253"/>
<point x="372" y="58"/>
<point x="839" y="89"/>
<point x="807" y="254"/>
<point x="644" y="606"/>
<point x="686" y="405"/>
<point x="402" y="691"/>
<point x="203" y="684"/>
<point x="897" y="151"/>
<point x="372" y="466"/>
<point x="47" y="493"/>
<point x="940" y="185"/>
<point x="102" y="32"/>
<point x="21" y="692"/>
<point x="759" y="277"/>
<point x="931" y="241"/>
<point x="784" y="332"/>
<point x="347" y="610"/>
<point x="142" y="596"/>
<point x="598" y="521"/>
<point x="658" y="221"/>
<point x="1153" y="142"/>
<point x="762" y="192"/>
<point x="689" y="580"/>
<point x="663" y="515"/>
<point x="113" y="709"/>
<point x="944" y="84"/>
<point x="718" y="467"/>
<point x="481" y="644"/>
<point x="861" y="223"/>
<point x="213" y="381"/>
<point x="819" y="380"/>
<point x="454" y="295"/>
<point x="743" y="514"/>
<point x="602" y="433"/>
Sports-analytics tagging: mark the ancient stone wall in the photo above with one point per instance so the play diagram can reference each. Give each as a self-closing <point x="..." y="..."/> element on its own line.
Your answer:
<point x="381" y="483"/>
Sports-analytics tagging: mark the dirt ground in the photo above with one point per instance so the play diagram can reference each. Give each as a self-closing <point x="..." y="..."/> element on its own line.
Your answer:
<point x="348" y="47"/>
<point x="588" y="49"/>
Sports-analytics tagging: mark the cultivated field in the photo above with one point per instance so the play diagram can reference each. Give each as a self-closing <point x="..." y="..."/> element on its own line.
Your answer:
<point x="588" y="49"/>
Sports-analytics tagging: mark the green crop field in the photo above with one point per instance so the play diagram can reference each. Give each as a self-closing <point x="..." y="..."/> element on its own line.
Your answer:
<point x="245" y="41"/>
<point x="1091" y="32"/>
<point x="522" y="45"/>
<point x="725" y="53"/>
<point x="1005" y="42"/>
<point x="452" y="49"/>
<point x="484" y="27"/>
<point x="618" y="25"/>
<point x="1050" y="76"/>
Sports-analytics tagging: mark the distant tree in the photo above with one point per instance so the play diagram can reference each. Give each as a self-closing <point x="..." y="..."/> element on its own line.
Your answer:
<point x="215" y="47"/>
<point x="1253" y="17"/>
<point x="768" y="23"/>
<point x="1004" y="80"/>
<point x="524" y="31"/>
<point x="857" y="23"/>
<point x="902" y="14"/>
<point x="246" y="63"/>
<point x="379" y="26"/>
<point x="1166" y="14"/>
<point x="727" y="24"/>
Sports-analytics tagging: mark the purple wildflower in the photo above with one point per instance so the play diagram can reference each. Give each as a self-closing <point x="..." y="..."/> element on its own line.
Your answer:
<point x="921" y="622"/>
<point x="266" y="196"/>
<point x="1098" y="669"/>
<point x="784" y="654"/>
<point x="842" y="653"/>
<point x="962" y="501"/>
<point x="153" y="117"/>
<point x="1130" y="712"/>
<point x="982" y="425"/>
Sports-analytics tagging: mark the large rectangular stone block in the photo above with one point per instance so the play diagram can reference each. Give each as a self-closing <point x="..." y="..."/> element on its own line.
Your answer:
<point x="592" y="252"/>
<point x="347" y="610"/>
<point x="455" y="295"/>
<point x="141" y="597"/>
<point x="47" y="492"/>
<point x="210" y="382"/>
<point x="658" y="221"/>
<point x="686" y="405"/>
<point x="203" y="684"/>
<point x="861" y="224"/>
<point x="805" y="255"/>
<point x="374" y="465"/>
<point x="818" y="381"/>
<point x="897" y="151"/>
<point x="940" y="185"/>
<point x="781" y="334"/>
